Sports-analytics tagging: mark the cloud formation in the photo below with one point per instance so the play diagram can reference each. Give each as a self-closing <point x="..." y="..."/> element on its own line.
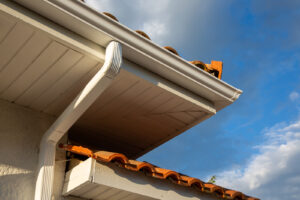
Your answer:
<point x="274" y="173"/>
<point x="144" y="15"/>
<point x="294" y="96"/>
<point x="171" y="22"/>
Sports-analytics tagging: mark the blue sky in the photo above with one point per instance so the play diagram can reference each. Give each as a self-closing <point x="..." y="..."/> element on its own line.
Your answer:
<point x="256" y="141"/>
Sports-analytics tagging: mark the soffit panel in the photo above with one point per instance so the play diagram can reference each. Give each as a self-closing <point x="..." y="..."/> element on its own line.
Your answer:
<point x="37" y="70"/>
<point x="44" y="67"/>
<point x="89" y="23"/>
<point x="133" y="115"/>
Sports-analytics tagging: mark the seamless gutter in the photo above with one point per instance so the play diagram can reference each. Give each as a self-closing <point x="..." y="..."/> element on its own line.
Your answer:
<point x="84" y="20"/>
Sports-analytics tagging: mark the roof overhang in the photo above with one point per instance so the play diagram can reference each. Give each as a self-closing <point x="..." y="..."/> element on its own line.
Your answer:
<point x="156" y="96"/>
<point x="94" y="180"/>
<point x="89" y="23"/>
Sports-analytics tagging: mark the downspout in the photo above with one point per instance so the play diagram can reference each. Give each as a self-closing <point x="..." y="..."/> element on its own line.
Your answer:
<point x="102" y="79"/>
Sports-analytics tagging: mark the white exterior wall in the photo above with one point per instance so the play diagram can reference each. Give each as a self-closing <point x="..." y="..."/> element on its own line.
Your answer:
<point x="20" y="132"/>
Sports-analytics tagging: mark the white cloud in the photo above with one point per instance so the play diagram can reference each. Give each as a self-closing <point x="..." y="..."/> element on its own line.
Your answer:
<point x="167" y="22"/>
<point x="273" y="174"/>
<point x="152" y="17"/>
<point x="156" y="23"/>
<point x="155" y="29"/>
<point x="294" y="96"/>
<point x="102" y="5"/>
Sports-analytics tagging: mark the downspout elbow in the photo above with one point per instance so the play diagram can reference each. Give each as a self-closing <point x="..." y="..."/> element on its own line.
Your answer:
<point x="96" y="86"/>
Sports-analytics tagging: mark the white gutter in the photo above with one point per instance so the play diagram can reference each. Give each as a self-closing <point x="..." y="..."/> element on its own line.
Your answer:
<point x="102" y="79"/>
<point x="87" y="22"/>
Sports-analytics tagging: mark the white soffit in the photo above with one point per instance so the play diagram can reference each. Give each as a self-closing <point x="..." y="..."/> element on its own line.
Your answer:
<point x="41" y="61"/>
<point x="43" y="66"/>
<point x="95" y="181"/>
<point x="85" y="21"/>
<point x="138" y="112"/>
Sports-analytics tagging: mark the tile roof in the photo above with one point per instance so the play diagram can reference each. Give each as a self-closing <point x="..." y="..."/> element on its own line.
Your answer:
<point x="143" y="34"/>
<point x="111" y="16"/>
<point x="172" y="50"/>
<point x="215" y="68"/>
<point x="156" y="172"/>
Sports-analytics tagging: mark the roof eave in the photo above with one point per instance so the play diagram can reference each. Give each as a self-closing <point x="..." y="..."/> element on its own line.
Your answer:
<point x="100" y="29"/>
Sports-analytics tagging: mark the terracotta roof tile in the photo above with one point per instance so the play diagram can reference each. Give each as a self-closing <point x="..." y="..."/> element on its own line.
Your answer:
<point x="106" y="156"/>
<point x="156" y="172"/>
<point x="77" y="150"/>
<point x="142" y="33"/>
<point x="192" y="182"/>
<point x="166" y="174"/>
<point x="215" y="68"/>
<point x="111" y="16"/>
<point x="215" y="189"/>
<point x="172" y="50"/>
<point x="135" y="165"/>
<point x="200" y="64"/>
<point x="231" y="194"/>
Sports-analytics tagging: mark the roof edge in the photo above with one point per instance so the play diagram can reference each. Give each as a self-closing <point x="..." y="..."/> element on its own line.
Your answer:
<point x="168" y="65"/>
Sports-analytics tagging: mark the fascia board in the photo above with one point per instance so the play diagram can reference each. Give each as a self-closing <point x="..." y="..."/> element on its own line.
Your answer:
<point x="109" y="176"/>
<point x="100" y="29"/>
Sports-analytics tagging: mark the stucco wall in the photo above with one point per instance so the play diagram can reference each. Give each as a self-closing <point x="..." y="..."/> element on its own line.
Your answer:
<point x="20" y="132"/>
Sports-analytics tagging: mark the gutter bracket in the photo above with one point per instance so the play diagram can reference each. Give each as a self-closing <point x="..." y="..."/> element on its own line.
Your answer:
<point x="96" y="86"/>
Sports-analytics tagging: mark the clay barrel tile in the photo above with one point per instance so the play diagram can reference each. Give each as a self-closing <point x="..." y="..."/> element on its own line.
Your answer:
<point x="212" y="188"/>
<point x="135" y="165"/>
<point x="199" y="64"/>
<point x="166" y="173"/>
<point x="106" y="156"/>
<point x="111" y="16"/>
<point x="217" y="65"/>
<point x="157" y="172"/>
<point x="190" y="181"/>
<point x="77" y="149"/>
<point x="172" y="50"/>
<point x="142" y="33"/>
<point x="232" y="194"/>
